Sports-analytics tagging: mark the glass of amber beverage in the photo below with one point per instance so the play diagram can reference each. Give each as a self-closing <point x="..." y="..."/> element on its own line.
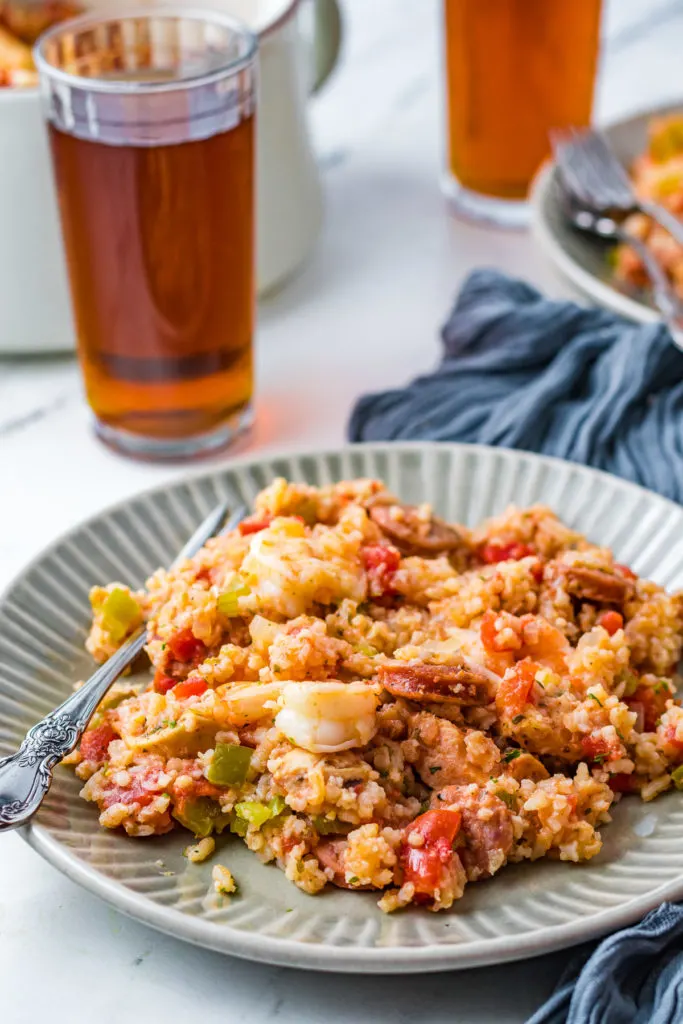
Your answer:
<point x="514" y="70"/>
<point x="151" y="123"/>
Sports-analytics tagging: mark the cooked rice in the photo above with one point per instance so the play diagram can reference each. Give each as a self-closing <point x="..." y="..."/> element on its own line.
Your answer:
<point x="372" y="699"/>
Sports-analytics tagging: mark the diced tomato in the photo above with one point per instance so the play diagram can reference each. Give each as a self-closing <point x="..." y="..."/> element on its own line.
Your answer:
<point x="95" y="742"/>
<point x="488" y="630"/>
<point x="143" y="788"/>
<point x="622" y="783"/>
<point x="495" y="624"/>
<point x="199" y="788"/>
<point x="195" y="686"/>
<point x="517" y="688"/>
<point x="624" y="570"/>
<point x="381" y="562"/>
<point x="672" y="739"/>
<point x="651" y="703"/>
<point x="423" y="865"/>
<point x="494" y="552"/>
<point x="596" y="748"/>
<point x="611" y="621"/>
<point x="184" y="646"/>
<point x="255" y="524"/>
<point x="162" y="683"/>
<point x="537" y="572"/>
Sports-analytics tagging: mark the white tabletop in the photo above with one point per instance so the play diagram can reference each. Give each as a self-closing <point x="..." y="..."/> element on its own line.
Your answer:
<point x="363" y="315"/>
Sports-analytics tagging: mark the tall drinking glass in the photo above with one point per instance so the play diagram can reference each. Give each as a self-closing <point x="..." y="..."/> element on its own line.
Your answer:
<point x="151" y="123"/>
<point x="514" y="70"/>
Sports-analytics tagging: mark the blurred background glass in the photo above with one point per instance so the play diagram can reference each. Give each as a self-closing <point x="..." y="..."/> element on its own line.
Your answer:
<point x="514" y="69"/>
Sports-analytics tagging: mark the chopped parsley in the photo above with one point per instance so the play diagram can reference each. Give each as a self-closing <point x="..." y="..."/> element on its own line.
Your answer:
<point x="517" y="719"/>
<point x="596" y="699"/>
<point x="354" y="880"/>
<point x="506" y="797"/>
<point x="434" y="769"/>
<point x="510" y="755"/>
<point x="662" y="686"/>
<point x="599" y="758"/>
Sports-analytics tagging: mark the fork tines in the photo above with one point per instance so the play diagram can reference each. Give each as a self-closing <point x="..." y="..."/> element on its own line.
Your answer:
<point x="590" y="170"/>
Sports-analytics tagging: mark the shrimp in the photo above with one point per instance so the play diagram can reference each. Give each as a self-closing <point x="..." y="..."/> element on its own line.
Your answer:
<point x="242" y="705"/>
<point x="290" y="571"/>
<point x="328" y="717"/>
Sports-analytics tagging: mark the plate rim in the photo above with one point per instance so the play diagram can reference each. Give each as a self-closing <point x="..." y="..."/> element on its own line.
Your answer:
<point x="603" y="294"/>
<point x="312" y="956"/>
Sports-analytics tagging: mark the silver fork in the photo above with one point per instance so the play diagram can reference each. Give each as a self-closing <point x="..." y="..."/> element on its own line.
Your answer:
<point x="26" y="775"/>
<point x="607" y="229"/>
<point x="593" y="174"/>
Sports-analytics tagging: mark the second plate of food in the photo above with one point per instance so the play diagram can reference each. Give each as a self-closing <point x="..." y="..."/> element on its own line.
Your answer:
<point x="495" y="687"/>
<point x="590" y="266"/>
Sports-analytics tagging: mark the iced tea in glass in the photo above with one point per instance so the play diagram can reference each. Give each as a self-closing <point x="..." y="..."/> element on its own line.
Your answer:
<point x="514" y="70"/>
<point x="151" y="122"/>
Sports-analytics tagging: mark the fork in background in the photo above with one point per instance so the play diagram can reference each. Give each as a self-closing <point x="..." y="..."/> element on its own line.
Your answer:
<point x="593" y="175"/>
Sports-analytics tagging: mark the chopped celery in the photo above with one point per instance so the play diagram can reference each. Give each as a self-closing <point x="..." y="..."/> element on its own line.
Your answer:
<point x="257" y="813"/>
<point x="631" y="684"/>
<point x="253" y="812"/>
<point x="239" y="826"/>
<point x="276" y="805"/>
<point x="229" y="765"/>
<point x="199" y="816"/>
<point x="677" y="777"/>
<point x="228" y="601"/>
<point x="120" y="613"/>
<point x="330" y="826"/>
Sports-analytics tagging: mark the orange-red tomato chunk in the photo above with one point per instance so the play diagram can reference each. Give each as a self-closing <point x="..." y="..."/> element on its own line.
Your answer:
<point x="381" y="562"/>
<point x="611" y="621"/>
<point x="95" y="742"/>
<point x="195" y="686"/>
<point x="494" y="552"/>
<point x="185" y="646"/>
<point x="517" y="688"/>
<point x="423" y="865"/>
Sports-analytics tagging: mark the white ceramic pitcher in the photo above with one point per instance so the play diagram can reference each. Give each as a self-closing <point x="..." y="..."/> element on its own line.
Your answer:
<point x="35" y="314"/>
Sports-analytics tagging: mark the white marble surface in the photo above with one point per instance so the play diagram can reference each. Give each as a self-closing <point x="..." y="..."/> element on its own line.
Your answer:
<point x="363" y="315"/>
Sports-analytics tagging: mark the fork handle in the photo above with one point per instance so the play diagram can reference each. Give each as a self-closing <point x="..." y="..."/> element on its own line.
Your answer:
<point x="26" y="775"/>
<point x="664" y="218"/>
<point x="665" y="299"/>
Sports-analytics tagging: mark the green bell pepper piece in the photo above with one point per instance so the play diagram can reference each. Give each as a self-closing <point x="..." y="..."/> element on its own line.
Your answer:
<point x="257" y="813"/>
<point x="120" y="613"/>
<point x="229" y="765"/>
<point x="228" y="603"/>
<point x="199" y="816"/>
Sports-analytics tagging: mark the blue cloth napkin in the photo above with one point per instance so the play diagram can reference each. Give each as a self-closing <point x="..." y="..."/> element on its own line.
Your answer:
<point x="633" y="977"/>
<point x="523" y="371"/>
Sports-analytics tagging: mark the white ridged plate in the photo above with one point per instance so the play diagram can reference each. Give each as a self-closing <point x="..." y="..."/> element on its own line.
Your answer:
<point x="525" y="910"/>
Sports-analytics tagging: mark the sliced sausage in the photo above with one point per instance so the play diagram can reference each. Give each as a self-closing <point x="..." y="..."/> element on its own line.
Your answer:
<point x="330" y="853"/>
<point x="486" y="828"/>
<point x="597" y="585"/>
<point x="454" y="684"/>
<point x="412" y="534"/>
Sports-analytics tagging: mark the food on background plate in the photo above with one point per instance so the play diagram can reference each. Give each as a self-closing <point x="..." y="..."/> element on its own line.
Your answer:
<point x="377" y="700"/>
<point x="21" y="23"/>
<point x="657" y="175"/>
